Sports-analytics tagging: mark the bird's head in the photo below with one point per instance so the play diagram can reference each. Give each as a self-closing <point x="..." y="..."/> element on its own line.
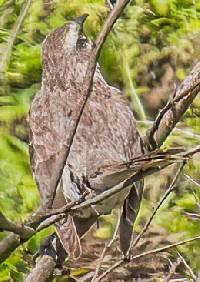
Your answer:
<point x="64" y="45"/>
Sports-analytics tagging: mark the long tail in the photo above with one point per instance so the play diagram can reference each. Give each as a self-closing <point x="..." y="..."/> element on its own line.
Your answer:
<point x="66" y="231"/>
<point x="129" y="213"/>
<point x="70" y="231"/>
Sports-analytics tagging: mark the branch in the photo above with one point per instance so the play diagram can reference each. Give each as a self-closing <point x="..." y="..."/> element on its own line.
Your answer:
<point x="144" y="165"/>
<point x="173" y="111"/>
<point x="182" y="131"/>
<point x="188" y="154"/>
<point x="172" y="270"/>
<point x="107" y="246"/>
<point x="8" y="50"/>
<point x="43" y="270"/>
<point x="192" y="180"/>
<point x="22" y="230"/>
<point x="192" y="275"/>
<point x="165" y="196"/>
<point x="8" y="245"/>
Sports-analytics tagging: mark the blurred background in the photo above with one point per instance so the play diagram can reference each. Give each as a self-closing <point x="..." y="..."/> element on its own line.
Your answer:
<point x="149" y="52"/>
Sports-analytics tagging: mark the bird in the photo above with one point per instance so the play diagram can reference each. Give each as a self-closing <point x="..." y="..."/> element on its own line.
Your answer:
<point x="105" y="139"/>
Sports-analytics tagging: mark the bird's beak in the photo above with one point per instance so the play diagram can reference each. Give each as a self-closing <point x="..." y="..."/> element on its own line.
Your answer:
<point x="81" y="19"/>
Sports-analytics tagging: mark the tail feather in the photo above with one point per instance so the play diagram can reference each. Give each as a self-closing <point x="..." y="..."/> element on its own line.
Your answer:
<point x="128" y="216"/>
<point x="69" y="238"/>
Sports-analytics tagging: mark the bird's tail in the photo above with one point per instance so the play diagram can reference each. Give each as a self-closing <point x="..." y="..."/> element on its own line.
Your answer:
<point x="66" y="231"/>
<point x="70" y="230"/>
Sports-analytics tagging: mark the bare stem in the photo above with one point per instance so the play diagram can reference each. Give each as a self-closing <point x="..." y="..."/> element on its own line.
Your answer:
<point x="168" y="117"/>
<point x="192" y="275"/>
<point x="144" y="254"/>
<point x="107" y="246"/>
<point x="161" y="202"/>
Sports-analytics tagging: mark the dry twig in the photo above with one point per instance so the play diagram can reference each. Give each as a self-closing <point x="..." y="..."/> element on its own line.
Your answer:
<point x="107" y="246"/>
<point x="192" y="180"/>
<point x="173" y="269"/>
<point x="124" y="261"/>
<point x="162" y="200"/>
<point x="158" y="162"/>
<point x="192" y="275"/>
<point x="169" y="116"/>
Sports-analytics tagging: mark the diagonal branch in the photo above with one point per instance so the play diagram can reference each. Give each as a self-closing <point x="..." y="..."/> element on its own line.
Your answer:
<point x="165" y="196"/>
<point x="192" y="180"/>
<point x="124" y="261"/>
<point x="107" y="246"/>
<point x="171" y="114"/>
<point x="139" y="173"/>
<point x="192" y="275"/>
<point x="22" y="230"/>
<point x="8" y="245"/>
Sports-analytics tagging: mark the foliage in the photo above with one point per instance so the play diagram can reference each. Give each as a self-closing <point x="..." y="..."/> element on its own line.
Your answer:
<point x="151" y="39"/>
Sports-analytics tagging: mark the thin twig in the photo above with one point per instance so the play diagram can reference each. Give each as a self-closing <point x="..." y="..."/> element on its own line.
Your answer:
<point x="142" y="169"/>
<point x="167" y="193"/>
<point x="107" y="246"/>
<point x="108" y="4"/>
<point x="177" y="130"/>
<point x="192" y="180"/>
<point x="192" y="275"/>
<point x="144" y="254"/>
<point x="162" y="200"/>
<point x="173" y="270"/>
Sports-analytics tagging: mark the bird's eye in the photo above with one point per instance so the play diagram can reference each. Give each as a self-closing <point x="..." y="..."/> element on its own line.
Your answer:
<point x="81" y="43"/>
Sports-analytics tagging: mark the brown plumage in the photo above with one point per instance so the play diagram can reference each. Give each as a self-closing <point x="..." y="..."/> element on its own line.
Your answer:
<point x="106" y="135"/>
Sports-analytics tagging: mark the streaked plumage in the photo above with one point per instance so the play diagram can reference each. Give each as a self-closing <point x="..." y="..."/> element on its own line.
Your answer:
<point x="106" y="135"/>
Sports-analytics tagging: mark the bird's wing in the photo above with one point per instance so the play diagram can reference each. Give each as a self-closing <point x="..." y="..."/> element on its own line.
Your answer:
<point x="49" y="120"/>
